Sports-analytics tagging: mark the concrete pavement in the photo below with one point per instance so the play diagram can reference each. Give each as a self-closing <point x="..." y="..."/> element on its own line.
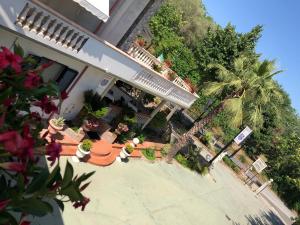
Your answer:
<point x="143" y="193"/>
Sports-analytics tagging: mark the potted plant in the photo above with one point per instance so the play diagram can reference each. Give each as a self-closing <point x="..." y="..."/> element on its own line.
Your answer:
<point x="168" y="63"/>
<point x="171" y="75"/>
<point x="121" y="128"/>
<point x="84" y="148"/>
<point x="56" y="124"/>
<point x="157" y="68"/>
<point x="140" y="41"/>
<point x="126" y="151"/>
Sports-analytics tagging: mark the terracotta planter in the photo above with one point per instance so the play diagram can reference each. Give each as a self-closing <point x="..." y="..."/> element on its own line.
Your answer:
<point x="80" y="153"/>
<point x="52" y="128"/>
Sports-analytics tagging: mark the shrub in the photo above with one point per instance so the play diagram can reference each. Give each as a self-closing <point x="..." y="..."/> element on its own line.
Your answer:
<point x="165" y="150"/>
<point x="231" y="164"/>
<point x="149" y="153"/>
<point x="181" y="159"/>
<point x="87" y="145"/>
<point x="204" y="170"/>
<point x="242" y="158"/>
<point x="159" y="121"/>
<point x="207" y="137"/>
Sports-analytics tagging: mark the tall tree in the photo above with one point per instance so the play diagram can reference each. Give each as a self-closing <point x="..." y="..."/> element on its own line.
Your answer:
<point x="244" y="91"/>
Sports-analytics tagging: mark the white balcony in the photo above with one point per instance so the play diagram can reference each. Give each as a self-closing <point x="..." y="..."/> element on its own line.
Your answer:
<point x="36" y="21"/>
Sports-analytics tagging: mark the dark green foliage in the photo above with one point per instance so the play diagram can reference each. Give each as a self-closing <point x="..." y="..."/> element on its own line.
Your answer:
<point x="159" y="121"/>
<point x="223" y="46"/>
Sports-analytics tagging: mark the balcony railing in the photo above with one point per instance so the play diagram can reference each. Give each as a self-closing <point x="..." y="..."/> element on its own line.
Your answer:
<point x="38" y="22"/>
<point x="149" y="60"/>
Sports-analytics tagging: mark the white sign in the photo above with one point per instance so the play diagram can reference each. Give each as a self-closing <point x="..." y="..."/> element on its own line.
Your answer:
<point x="259" y="165"/>
<point x="243" y="135"/>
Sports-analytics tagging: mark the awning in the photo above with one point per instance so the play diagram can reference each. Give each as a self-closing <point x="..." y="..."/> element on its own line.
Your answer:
<point x="99" y="8"/>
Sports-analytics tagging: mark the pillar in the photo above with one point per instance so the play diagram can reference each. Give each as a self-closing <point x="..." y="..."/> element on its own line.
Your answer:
<point x="155" y="111"/>
<point x="109" y="86"/>
<point x="169" y="116"/>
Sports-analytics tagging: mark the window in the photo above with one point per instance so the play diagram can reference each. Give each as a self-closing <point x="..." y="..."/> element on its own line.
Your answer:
<point x="57" y="72"/>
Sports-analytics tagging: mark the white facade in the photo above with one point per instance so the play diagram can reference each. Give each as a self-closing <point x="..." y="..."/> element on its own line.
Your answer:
<point x="44" y="32"/>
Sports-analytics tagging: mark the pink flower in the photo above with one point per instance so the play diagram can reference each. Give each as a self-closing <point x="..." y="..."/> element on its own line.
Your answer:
<point x="13" y="166"/>
<point x="53" y="151"/>
<point x="4" y="203"/>
<point x="32" y="80"/>
<point x="82" y="203"/>
<point x="46" y="105"/>
<point x="7" y="58"/>
<point x="17" y="145"/>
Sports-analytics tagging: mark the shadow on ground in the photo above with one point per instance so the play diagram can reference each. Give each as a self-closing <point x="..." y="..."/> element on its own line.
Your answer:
<point x="264" y="219"/>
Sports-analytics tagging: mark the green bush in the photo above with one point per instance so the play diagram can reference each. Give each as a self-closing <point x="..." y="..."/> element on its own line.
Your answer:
<point x="231" y="164"/>
<point x="165" y="150"/>
<point x="181" y="159"/>
<point x="242" y="158"/>
<point x="149" y="153"/>
<point x="204" y="170"/>
<point x="207" y="137"/>
<point x="87" y="145"/>
<point x="159" y="121"/>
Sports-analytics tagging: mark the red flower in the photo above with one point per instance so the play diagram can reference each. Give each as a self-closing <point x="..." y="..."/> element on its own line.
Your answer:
<point x="46" y="105"/>
<point x="8" y="102"/>
<point x="64" y="95"/>
<point x="14" y="166"/>
<point x="82" y="203"/>
<point x="32" y="80"/>
<point x="7" y="58"/>
<point x="53" y="151"/>
<point x="46" y="65"/>
<point x="2" y="119"/>
<point x="4" y="203"/>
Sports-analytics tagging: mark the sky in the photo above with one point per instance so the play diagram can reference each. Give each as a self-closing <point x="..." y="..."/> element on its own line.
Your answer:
<point x="280" y="39"/>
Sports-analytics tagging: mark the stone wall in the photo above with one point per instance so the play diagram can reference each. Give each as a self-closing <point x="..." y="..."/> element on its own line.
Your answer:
<point x="140" y="27"/>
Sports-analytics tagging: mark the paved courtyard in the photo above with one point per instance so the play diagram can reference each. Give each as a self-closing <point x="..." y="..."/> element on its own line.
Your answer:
<point x="143" y="193"/>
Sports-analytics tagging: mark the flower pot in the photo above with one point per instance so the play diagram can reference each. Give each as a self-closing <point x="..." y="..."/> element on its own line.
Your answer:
<point x="52" y="128"/>
<point x="80" y="153"/>
<point x="124" y="154"/>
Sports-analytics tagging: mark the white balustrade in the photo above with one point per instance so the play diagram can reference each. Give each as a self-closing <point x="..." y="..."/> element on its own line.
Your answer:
<point x="148" y="59"/>
<point x="39" y="21"/>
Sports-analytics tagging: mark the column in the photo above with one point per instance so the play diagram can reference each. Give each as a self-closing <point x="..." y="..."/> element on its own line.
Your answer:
<point x="169" y="116"/>
<point x="155" y="111"/>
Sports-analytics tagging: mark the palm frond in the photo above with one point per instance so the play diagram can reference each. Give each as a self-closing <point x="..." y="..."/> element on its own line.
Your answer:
<point x="235" y="107"/>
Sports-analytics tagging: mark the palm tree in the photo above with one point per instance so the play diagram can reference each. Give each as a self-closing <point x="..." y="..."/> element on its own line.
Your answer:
<point x="244" y="91"/>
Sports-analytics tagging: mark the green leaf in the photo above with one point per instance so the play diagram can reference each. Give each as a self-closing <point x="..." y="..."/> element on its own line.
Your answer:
<point x="7" y="218"/>
<point x="60" y="204"/>
<point x="18" y="50"/>
<point x="72" y="192"/>
<point x="34" y="207"/>
<point x="54" y="175"/>
<point x="68" y="175"/>
<point x="84" y="177"/>
<point x="38" y="182"/>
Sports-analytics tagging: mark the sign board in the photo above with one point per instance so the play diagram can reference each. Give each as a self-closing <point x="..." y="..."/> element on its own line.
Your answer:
<point x="243" y="135"/>
<point x="259" y="165"/>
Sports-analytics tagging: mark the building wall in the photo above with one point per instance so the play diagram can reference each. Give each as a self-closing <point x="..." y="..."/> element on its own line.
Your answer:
<point x="141" y="26"/>
<point x="90" y="80"/>
<point x="121" y="20"/>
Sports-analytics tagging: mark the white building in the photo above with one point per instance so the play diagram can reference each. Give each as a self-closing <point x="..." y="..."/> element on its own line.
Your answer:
<point x="71" y="33"/>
